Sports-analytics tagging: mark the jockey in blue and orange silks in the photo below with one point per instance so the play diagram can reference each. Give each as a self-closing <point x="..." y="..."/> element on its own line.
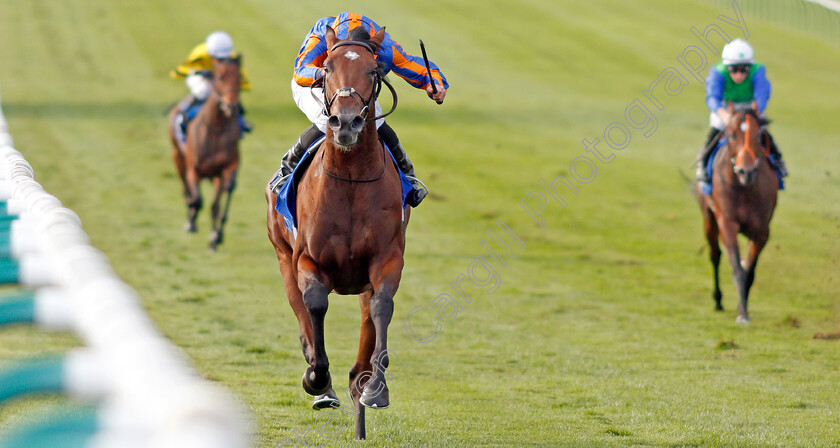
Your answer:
<point x="390" y="55"/>
<point x="739" y="79"/>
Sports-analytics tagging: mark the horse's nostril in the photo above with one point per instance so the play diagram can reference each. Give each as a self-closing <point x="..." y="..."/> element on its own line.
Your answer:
<point x="334" y="122"/>
<point x="358" y="123"/>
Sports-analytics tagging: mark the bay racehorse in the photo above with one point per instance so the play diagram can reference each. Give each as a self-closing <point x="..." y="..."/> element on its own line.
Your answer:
<point x="744" y="189"/>
<point x="350" y="232"/>
<point x="211" y="150"/>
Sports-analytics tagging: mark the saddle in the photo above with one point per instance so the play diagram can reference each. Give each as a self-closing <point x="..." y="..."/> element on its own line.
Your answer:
<point x="182" y="119"/>
<point x="286" y="204"/>
<point x="188" y="112"/>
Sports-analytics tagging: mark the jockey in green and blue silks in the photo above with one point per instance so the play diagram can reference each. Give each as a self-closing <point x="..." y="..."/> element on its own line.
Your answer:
<point x="741" y="80"/>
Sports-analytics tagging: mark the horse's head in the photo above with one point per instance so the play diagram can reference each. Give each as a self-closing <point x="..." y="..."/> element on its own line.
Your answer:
<point x="226" y="81"/>
<point x="744" y="133"/>
<point x="352" y="80"/>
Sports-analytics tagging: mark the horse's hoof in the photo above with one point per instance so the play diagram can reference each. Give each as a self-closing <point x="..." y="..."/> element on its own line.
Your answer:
<point x="326" y="401"/>
<point x="215" y="238"/>
<point x="374" y="400"/>
<point x="312" y="388"/>
<point x="742" y="320"/>
<point x="190" y="228"/>
<point x="718" y="308"/>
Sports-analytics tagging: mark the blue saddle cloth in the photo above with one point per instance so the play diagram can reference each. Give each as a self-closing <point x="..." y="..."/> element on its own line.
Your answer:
<point x="286" y="204"/>
<point x="181" y="124"/>
<point x="707" y="186"/>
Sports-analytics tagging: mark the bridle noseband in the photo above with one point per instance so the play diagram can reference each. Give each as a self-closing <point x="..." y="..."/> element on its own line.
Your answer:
<point x="348" y="91"/>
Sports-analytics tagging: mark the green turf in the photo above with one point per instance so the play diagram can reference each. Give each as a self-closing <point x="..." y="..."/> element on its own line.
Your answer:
<point x="602" y="330"/>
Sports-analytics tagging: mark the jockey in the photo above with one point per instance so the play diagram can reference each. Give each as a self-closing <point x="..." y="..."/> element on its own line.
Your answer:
<point x="197" y="66"/>
<point x="739" y="79"/>
<point x="309" y="68"/>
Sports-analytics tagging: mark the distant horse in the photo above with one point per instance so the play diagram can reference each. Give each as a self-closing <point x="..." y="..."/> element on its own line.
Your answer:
<point x="212" y="147"/>
<point x="350" y="235"/>
<point x="744" y="188"/>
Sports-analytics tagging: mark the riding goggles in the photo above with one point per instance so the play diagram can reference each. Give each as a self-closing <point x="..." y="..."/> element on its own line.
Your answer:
<point x="739" y="68"/>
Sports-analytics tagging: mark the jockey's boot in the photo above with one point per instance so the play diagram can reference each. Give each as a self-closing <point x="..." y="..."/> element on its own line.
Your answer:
<point x="293" y="156"/>
<point x="244" y="124"/>
<point x="390" y="137"/>
<point x="705" y="152"/>
<point x="776" y="156"/>
<point x="183" y="112"/>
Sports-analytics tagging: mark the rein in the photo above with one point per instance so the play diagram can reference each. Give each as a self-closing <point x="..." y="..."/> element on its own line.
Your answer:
<point x="347" y="179"/>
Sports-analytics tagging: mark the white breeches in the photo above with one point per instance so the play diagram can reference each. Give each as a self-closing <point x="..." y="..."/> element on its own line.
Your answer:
<point x="199" y="86"/>
<point x="314" y="110"/>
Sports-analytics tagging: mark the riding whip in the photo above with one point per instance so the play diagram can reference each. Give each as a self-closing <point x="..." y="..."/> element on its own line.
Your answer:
<point x="428" y="69"/>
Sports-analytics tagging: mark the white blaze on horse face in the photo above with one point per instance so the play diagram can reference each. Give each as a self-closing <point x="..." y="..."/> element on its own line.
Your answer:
<point x="745" y="125"/>
<point x="352" y="55"/>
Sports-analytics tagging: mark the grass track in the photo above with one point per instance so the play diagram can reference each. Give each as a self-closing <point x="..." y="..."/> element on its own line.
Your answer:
<point x="601" y="332"/>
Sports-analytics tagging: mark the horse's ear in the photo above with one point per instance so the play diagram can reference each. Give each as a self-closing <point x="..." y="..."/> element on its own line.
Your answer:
<point x="238" y="59"/>
<point x="378" y="37"/>
<point x="754" y="106"/>
<point x="330" y="37"/>
<point x="731" y="108"/>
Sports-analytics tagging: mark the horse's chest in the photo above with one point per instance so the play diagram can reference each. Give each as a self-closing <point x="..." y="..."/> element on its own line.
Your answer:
<point x="343" y="254"/>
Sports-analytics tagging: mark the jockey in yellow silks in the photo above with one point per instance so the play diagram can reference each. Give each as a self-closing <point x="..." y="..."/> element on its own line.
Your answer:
<point x="197" y="69"/>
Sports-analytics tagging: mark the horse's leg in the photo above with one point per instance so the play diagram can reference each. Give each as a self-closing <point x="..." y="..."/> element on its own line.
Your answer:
<point x="180" y="164"/>
<point x="316" y="380"/>
<point x="228" y="184"/>
<point x="214" y="212"/>
<point x="296" y="301"/>
<point x="756" y="247"/>
<point x="193" y="199"/>
<point x="729" y="234"/>
<point x="386" y="279"/>
<point x="712" y="235"/>
<point x="290" y="280"/>
<point x="362" y="369"/>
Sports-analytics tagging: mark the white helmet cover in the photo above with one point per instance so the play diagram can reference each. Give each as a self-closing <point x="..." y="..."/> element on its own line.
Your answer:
<point x="737" y="52"/>
<point x="219" y="45"/>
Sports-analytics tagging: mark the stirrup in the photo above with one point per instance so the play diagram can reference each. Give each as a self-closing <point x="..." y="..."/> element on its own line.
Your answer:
<point x="420" y="191"/>
<point x="277" y="183"/>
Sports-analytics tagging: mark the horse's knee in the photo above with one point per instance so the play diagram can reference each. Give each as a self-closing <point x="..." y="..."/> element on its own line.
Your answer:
<point x="315" y="298"/>
<point x="381" y="305"/>
<point x="195" y="202"/>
